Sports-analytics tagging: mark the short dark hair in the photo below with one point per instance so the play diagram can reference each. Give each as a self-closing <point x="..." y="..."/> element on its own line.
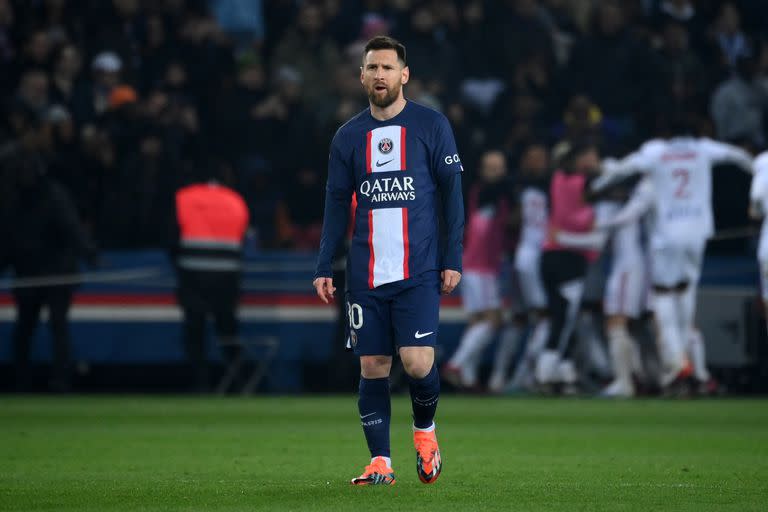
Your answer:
<point x="386" y="43"/>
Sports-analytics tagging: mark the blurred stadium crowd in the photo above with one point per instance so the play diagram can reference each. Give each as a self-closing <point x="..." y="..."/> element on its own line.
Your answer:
<point x="122" y="102"/>
<point x="127" y="99"/>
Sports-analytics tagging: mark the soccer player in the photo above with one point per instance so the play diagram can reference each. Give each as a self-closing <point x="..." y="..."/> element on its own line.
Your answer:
<point x="400" y="159"/>
<point x="758" y="209"/>
<point x="487" y="218"/>
<point x="625" y="286"/>
<point x="680" y="171"/>
<point x="564" y="267"/>
<point x="534" y="185"/>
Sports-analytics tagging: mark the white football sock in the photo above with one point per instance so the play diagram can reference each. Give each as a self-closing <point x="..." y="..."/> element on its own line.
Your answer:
<point x="687" y="311"/>
<point x="389" y="461"/>
<point x="504" y="353"/>
<point x="537" y="340"/>
<point x="430" y="428"/>
<point x="620" y="343"/>
<point x="470" y="350"/>
<point x="697" y="353"/>
<point x="666" y="308"/>
<point x="572" y="292"/>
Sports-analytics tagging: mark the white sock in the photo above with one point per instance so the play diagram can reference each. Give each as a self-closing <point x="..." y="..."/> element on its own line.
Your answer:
<point x="666" y="308"/>
<point x="537" y="340"/>
<point x="572" y="292"/>
<point x="507" y="346"/>
<point x="470" y="350"/>
<point x="620" y="343"/>
<point x="387" y="459"/>
<point x="697" y="353"/>
<point x="430" y="428"/>
<point x="687" y="312"/>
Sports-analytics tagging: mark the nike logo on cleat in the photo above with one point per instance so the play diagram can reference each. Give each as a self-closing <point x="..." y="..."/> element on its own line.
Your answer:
<point x="379" y="164"/>
<point x="420" y="335"/>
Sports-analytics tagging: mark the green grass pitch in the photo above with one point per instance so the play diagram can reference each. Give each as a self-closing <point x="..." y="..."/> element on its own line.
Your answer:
<point x="286" y="453"/>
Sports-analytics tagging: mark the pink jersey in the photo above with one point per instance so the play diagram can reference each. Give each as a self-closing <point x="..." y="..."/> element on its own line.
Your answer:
<point x="484" y="235"/>
<point x="568" y="211"/>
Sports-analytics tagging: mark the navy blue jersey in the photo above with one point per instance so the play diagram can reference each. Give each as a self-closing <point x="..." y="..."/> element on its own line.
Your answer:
<point x="401" y="169"/>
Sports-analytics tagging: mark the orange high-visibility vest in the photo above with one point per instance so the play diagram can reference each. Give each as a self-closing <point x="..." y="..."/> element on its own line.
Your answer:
<point x="212" y="222"/>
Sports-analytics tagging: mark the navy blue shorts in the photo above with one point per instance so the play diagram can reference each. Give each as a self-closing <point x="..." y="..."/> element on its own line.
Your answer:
<point x="399" y="314"/>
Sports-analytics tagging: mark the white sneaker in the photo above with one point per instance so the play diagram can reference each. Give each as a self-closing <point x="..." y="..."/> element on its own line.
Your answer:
<point x="618" y="389"/>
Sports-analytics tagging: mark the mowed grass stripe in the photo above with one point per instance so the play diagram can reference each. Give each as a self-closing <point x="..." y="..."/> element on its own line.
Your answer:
<point x="291" y="453"/>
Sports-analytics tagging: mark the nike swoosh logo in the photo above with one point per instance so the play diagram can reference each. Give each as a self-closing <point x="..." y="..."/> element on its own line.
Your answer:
<point x="422" y="334"/>
<point x="379" y="164"/>
<point x="363" y="417"/>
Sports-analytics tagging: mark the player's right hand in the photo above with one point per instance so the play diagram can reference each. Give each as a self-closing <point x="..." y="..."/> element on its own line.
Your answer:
<point x="324" y="288"/>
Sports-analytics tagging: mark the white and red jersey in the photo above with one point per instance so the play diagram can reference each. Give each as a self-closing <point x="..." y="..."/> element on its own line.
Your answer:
<point x="680" y="171"/>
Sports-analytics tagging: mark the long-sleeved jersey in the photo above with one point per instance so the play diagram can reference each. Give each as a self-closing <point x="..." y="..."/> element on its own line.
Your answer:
<point x="401" y="170"/>
<point x="680" y="170"/>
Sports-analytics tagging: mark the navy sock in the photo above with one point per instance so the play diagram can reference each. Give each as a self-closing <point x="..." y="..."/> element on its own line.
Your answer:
<point x="424" y="396"/>
<point x="375" y="411"/>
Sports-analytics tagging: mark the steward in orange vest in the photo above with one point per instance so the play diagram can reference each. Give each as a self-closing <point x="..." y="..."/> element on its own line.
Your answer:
<point x="211" y="220"/>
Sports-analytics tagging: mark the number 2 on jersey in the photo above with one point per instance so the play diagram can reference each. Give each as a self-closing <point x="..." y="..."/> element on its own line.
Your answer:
<point x="683" y="176"/>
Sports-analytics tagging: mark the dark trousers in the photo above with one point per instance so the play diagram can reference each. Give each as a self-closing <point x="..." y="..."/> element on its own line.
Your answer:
<point x="559" y="268"/>
<point x="204" y="294"/>
<point x="29" y="304"/>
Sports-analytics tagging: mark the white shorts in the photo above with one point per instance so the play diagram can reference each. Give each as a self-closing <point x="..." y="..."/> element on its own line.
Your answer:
<point x="673" y="264"/>
<point x="529" y="283"/>
<point x="625" y="290"/>
<point x="480" y="291"/>
<point x="764" y="278"/>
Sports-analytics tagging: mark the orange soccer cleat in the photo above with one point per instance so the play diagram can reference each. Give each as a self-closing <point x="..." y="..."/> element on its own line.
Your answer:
<point x="428" y="462"/>
<point x="376" y="473"/>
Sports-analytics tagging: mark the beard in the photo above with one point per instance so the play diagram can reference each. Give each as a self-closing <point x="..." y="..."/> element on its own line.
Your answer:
<point x="387" y="99"/>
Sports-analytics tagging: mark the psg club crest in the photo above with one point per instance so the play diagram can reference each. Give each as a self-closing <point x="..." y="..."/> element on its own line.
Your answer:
<point x="385" y="145"/>
<point x="352" y="338"/>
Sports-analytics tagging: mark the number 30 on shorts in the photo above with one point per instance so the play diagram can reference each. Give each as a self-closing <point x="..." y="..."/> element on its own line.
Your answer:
<point x="355" y="313"/>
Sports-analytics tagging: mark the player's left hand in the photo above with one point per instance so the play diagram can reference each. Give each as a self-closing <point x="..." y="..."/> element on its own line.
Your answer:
<point x="450" y="280"/>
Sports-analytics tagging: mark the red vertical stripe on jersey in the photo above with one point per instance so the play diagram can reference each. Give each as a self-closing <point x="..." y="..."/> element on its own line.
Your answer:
<point x="372" y="258"/>
<point x="368" y="150"/>
<point x="405" y="243"/>
<point x="402" y="148"/>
